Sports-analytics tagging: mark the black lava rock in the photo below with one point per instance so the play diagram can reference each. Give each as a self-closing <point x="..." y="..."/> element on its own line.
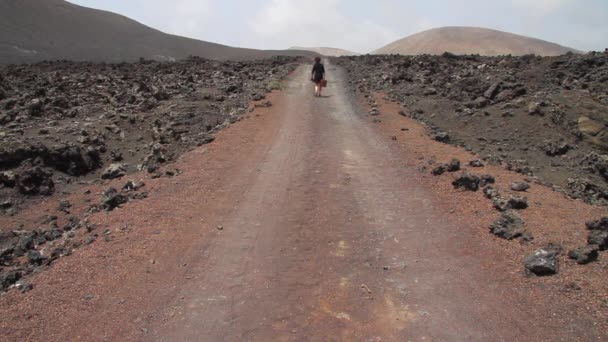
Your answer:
<point x="442" y="137"/>
<point x="518" y="203"/>
<point x="509" y="226"/>
<point x="601" y="224"/>
<point x="520" y="187"/>
<point x="543" y="261"/>
<point x="454" y="165"/>
<point x="439" y="170"/>
<point x="584" y="255"/>
<point x="34" y="257"/>
<point x="467" y="181"/>
<point x="476" y="163"/>
<point x="599" y="238"/>
<point x="487" y="179"/>
<point x="112" y="199"/>
<point x="8" y="279"/>
<point x="36" y="181"/>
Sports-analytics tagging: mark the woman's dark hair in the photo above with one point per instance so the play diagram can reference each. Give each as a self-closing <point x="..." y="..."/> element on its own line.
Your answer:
<point x="317" y="59"/>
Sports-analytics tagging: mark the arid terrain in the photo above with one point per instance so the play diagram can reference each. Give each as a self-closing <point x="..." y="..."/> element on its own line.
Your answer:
<point x="543" y="117"/>
<point x="342" y="216"/>
<point x="472" y="41"/>
<point x="38" y="30"/>
<point x="161" y="188"/>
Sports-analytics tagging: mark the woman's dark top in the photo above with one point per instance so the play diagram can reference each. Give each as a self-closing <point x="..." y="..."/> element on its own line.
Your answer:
<point x="318" y="72"/>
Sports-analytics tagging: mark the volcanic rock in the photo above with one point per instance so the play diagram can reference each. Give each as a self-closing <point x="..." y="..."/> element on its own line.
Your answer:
<point x="557" y="149"/>
<point x="112" y="199"/>
<point x="476" y="163"/>
<point x="9" y="278"/>
<point x="599" y="238"/>
<point x="543" y="261"/>
<point x="454" y="165"/>
<point x="520" y="187"/>
<point x="35" y="181"/>
<point x="509" y="226"/>
<point x="601" y="224"/>
<point x="584" y="255"/>
<point x="467" y="181"/>
<point x="114" y="171"/>
<point x="439" y="170"/>
<point x="442" y="137"/>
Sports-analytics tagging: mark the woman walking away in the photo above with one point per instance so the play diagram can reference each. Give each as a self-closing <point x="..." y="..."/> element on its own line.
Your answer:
<point x="318" y="75"/>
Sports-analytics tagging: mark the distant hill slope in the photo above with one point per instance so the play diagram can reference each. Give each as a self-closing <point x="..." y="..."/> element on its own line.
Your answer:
<point x="35" y="30"/>
<point x="326" y="51"/>
<point x="472" y="40"/>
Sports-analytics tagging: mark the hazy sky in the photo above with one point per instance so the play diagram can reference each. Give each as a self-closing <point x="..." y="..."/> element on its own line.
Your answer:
<point x="362" y="25"/>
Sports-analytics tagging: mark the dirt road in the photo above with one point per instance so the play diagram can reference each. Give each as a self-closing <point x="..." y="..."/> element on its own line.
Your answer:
<point x="299" y="224"/>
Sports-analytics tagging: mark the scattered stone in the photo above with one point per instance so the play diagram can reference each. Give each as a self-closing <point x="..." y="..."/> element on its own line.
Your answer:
<point x="486" y="180"/>
<point x="467" y="181"/>
<point x="543" y="261"/>
<point x="258" y="97"/>
<point x="72" y="224"/>
<point x="132" y="185"/>
<point x="518" y="203"/>
<point x="34" y="257"/>
<point x="439" y="170"/>
<point x="589" y="126"/>
<point x="265" y="104"/>
<point x="584" y="255"/>
<point x="492" y="91"/>
<point x="442" y="137"/>
<point x="490" y="192"/>
<point x="506" y="204"/>
<point x="8" y="179"/>
<point x="598" y="238"/>
<point x="535" y="108"/>
<point x="112" y="199"/>
<point x="36" y="181"/>
<point x="64" y="205"/>
<point x="601" y="224"/>
<point x="483" y="99"/>
<point x="510" y="226"/>
<point x="476" y="163"/>
<point x="520" y="187"/>
<point x="24" y="286"/>
<point x="454" y="165"/>
<point x="52" y="125"/>
<point x="557" y="149"/>
<point x="8" y="279"/>
<point x="114" y="171"/>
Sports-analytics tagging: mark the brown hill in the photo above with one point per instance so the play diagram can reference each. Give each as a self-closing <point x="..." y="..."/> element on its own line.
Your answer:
<point x="35" y="30"/>
<point x="326" y="51"/>
<point x="472" y="40"/>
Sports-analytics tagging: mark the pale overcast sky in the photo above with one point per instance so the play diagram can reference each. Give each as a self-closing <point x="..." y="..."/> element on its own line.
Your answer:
<point x="362" y="25"/>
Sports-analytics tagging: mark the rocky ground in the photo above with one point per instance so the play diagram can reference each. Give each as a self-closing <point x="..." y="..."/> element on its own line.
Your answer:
<point x="65" y="125"/>
<point x="543" y="117"/>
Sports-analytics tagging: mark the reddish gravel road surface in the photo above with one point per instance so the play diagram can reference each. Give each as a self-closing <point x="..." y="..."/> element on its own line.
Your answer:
<point x="302" y="222"/>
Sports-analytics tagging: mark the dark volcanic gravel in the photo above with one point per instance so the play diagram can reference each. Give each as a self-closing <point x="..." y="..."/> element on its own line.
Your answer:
<point x="62" y="122"/>
<point x="66" y="124"/>
<point x="540" y="116"/>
